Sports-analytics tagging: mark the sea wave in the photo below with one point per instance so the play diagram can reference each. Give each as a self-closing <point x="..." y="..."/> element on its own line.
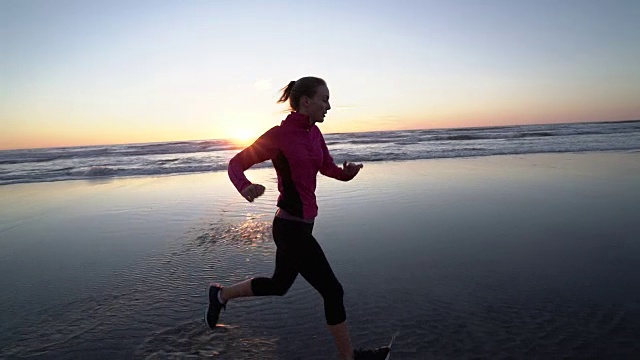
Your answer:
<point x="12" y="157"/>
<point x="158" y="159"/>
<point x="105" y="172"/>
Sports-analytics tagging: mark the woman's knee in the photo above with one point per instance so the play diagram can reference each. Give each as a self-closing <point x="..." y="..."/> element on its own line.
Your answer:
<point x="335" y="292"/>
<point x="334" y="306"/>
<point x="269" y="287"/>
<point x="280" y="289"/>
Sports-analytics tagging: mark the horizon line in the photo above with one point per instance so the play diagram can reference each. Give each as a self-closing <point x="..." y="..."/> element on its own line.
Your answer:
<point x="331" y="133"/>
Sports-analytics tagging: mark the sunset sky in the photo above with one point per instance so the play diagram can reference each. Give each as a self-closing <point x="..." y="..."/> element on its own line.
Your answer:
<point x="103" y="72"/>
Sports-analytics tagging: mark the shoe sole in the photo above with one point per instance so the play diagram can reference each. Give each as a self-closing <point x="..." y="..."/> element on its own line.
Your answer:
<point x="206" y="311"/>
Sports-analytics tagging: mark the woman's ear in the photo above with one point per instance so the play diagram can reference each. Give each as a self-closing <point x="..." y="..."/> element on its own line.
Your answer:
<point x="304" y="101"/>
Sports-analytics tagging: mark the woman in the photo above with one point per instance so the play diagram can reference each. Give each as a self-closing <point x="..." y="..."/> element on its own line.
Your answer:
<point x="298" y="152"/>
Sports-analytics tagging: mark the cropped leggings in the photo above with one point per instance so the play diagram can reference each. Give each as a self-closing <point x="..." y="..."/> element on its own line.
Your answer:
<point x="298" y="252"/>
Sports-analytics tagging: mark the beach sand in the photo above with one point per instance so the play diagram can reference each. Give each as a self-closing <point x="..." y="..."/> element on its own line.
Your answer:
<point x="529" y="256"/>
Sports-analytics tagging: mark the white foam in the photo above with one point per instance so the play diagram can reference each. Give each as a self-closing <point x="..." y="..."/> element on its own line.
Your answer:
<point x="59" y="164"/>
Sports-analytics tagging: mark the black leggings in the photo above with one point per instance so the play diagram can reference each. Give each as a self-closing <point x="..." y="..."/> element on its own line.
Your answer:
<point x="298" y="252"/>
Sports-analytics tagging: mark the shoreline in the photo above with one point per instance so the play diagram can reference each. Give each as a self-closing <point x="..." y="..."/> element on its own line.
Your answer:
<point x="266" y="165"/>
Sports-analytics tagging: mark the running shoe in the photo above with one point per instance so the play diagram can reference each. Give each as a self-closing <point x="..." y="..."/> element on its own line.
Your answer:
<point x="213" y="312"/>
<point x="376" y="354"/>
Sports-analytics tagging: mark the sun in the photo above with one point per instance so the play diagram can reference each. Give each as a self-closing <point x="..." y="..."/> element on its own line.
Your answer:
<point x="243" y="137"/>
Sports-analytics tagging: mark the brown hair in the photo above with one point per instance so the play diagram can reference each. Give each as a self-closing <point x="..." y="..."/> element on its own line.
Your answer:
<point x="305" y="86"/>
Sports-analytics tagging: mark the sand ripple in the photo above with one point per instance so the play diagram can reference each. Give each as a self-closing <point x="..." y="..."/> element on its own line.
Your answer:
<point x="193" y="341"/>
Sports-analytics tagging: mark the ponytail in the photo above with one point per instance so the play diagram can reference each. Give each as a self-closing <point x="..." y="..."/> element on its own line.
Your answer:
<point x="286" y="92"/>
<point x="295" y="90"/>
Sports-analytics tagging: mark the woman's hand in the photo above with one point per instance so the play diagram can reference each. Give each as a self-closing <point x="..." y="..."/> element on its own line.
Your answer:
<point x="351" y="169"/>
<point x="252" y="191"/>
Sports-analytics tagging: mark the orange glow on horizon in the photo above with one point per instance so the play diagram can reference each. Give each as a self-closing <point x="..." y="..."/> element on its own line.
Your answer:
<point x="245" y="132"/>
<point x="243" y="136"/>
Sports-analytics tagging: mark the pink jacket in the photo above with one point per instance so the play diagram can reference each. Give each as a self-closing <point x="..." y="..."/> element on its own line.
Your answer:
<point x="298" y="151"/>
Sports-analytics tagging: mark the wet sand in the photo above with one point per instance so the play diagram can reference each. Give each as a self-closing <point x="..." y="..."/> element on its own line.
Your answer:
<point x="531" y="256"/>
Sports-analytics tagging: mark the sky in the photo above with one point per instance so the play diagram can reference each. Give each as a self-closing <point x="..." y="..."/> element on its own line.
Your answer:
<point x="105" y="72"/>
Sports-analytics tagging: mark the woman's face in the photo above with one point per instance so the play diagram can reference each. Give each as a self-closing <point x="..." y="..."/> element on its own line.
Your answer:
<point x="318" y="106"/>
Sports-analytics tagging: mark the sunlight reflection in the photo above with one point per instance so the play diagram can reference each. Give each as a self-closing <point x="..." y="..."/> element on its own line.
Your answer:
<point x="254" y="231"/>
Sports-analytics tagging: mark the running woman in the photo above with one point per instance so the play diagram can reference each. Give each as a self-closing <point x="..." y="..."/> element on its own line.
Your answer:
<point x="298" y="152"/>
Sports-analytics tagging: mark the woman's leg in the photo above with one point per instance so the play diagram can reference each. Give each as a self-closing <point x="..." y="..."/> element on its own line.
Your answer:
<point x="340" y="334"/>
<point x="241" y="289"/>
<point x="315" y="268"/>
<point x="283" y="277"/>
<point x="284" y="274"/>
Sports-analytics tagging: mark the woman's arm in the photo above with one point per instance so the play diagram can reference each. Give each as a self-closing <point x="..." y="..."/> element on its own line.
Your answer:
<point x="264" y="148"/>
<point x="330" y="169"/>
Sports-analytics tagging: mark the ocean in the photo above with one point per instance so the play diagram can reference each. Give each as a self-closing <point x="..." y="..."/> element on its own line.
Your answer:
<point x="182" y="157"/>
